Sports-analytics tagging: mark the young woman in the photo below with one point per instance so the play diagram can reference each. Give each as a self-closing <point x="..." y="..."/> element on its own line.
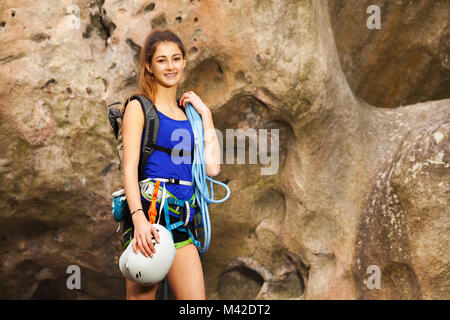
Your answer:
<point x="163" y="59"/>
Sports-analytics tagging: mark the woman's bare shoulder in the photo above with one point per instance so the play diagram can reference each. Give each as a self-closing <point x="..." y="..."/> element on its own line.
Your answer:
<point x="134" y="111"/>
<point x="133" y="119"/>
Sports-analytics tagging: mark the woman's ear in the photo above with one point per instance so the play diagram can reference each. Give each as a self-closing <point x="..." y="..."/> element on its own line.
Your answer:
<point x="147" y="66"/>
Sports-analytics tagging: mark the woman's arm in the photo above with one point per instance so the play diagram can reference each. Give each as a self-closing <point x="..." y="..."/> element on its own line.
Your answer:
<point x="212" y="147"/>
<point x="132" y="127"/>
<point x="133" y="124"/>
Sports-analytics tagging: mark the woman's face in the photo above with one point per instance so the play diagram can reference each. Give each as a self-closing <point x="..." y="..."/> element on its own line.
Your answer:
<point x="167" y="64"/>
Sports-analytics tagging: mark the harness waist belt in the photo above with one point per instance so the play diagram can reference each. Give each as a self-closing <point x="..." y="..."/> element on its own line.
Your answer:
<point x="147" y="191"/>
<point x="168" y="180"/>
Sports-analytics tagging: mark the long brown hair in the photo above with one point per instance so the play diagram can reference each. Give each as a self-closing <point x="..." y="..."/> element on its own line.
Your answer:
<point x="146" y="82"/>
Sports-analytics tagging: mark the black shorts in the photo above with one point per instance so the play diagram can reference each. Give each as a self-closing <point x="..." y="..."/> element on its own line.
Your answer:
<point x="180" y="238"/>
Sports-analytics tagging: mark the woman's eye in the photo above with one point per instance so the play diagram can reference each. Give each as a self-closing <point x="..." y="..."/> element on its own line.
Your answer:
<point x="160" y="61"/>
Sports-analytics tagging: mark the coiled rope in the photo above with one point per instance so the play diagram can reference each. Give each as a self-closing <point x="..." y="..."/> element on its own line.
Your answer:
<point x="199" y="177"/>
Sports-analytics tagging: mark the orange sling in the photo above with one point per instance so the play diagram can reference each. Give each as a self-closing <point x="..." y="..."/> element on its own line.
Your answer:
<point x="152" y="210"/>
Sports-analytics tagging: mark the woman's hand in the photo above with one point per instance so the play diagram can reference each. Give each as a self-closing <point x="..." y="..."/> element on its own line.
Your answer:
<point x="196" y="102"/>
<point x="143" y="231"/>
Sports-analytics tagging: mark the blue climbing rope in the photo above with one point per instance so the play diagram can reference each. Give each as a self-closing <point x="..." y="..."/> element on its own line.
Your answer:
<point x="199" y="177"/>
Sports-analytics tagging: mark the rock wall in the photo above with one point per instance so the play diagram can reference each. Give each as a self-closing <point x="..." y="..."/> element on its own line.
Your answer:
<point x="357" y="184"/>
<point x="406" y="62"/>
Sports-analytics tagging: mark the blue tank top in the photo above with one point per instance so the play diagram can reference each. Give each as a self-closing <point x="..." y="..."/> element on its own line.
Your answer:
<point x="160" y="163"/>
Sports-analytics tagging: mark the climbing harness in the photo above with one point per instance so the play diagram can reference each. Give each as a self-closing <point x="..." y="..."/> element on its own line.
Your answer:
<point x="153" y="192"/>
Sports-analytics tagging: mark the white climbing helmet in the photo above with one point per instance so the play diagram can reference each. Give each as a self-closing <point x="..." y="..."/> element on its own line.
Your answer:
<point x="149" y="270"/>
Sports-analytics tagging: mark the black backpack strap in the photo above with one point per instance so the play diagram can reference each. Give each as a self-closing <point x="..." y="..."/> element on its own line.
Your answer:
<point x="150" y="133"/>
<point x="178" y="152"/>
<point x="151" y="130"/>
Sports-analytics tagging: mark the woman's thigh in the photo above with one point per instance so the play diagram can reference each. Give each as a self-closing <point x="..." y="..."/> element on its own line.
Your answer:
<point x="186" y="275"/>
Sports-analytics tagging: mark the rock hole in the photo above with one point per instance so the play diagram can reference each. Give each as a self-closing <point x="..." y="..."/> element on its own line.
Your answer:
<point x="241" y="283"/>
<point x="87" y="33"/>
<point x="219" y="69"/>
<point x="193" y="50"/>
<point x="45" y="290"/>
<point x="150" y="7"/>
<point x="40" y="37"/>
<point x="101" y="23"/>
<point x="136" y="48"/>
<point x="291" y="286"/>
<point x="48" y="83"/>
<point x="105" y="83"/>
<point x="159" y="21"/>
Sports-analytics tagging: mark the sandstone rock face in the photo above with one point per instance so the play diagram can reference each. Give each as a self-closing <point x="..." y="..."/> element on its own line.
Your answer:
<point x="404" y="229"/>
<point x="357" y="185"/>
<point x="406" y="62"/>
